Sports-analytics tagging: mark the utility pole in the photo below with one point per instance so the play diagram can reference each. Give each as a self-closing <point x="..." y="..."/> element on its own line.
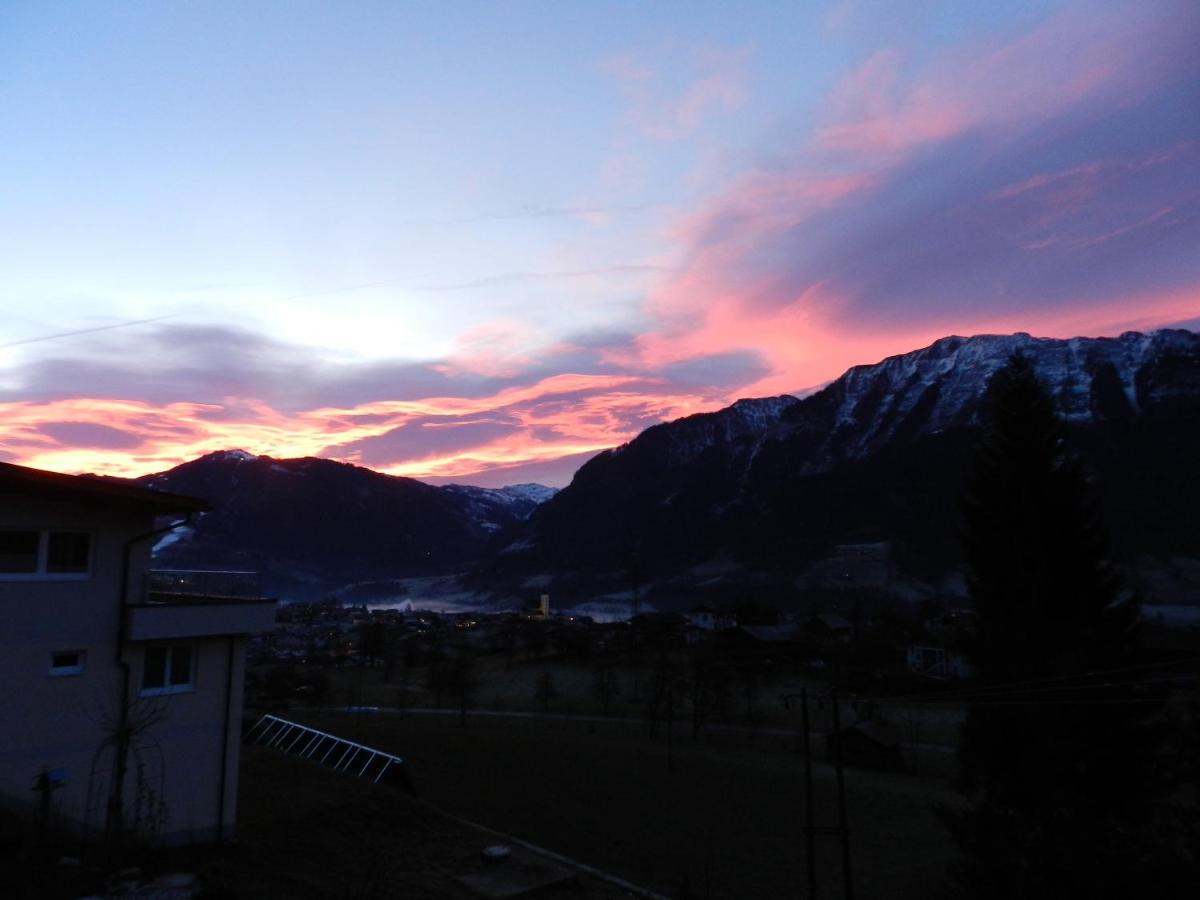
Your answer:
<point x="841" y="790"/>
<point x="810" y="848"/>
<point x="634" y="604"/>
<point x="635" y="577"/>
<point x="811" y="829"/>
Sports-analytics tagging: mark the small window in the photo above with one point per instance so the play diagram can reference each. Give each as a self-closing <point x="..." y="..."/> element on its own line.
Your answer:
<point x="19" y="552"/>
<point x="68" y="552"/>
<point x="167" y="669"/>
<point x="68" y="662"/>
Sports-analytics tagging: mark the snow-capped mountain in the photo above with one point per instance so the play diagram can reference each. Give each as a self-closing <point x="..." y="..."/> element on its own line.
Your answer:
<point x="493" y="508"/>
<point x="747" y="421"/>
<point x="940" y="387"/>
<point x="763" y="497"/>
<point x="754" y="496"/>
<point x="312" y="525"/>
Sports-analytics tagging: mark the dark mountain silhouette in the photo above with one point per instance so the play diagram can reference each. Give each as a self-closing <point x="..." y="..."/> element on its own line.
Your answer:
<point x="856" y="488"/>
<point x="314" y="525"/>
<point x="853" y="491"/>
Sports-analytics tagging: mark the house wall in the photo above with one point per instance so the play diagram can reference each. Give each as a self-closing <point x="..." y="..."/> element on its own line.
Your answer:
<point x="163" y="623"/>
<point x="62" y="721"/>
<point x="181" y="749"/>
<point x="172" y="786"/>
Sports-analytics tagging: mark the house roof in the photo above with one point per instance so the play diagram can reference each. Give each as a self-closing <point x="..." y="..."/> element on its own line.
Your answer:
<point x="23" y="480"/>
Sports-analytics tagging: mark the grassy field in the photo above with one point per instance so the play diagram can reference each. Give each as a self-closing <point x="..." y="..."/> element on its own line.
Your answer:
<point x="308" y="832"/>
<point x="304" y="833"/>
<point x="510" y="685"/>
<point x="727" y="817"/>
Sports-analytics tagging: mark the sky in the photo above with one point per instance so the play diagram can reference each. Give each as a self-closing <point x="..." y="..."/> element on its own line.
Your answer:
<point x="481" y="242"/>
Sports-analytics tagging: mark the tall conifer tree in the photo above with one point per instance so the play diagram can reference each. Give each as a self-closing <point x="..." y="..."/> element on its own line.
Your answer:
<point x="1055" y="763"/>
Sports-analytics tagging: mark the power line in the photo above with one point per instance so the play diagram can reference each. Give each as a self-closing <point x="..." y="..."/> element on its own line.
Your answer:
<point x="67" y="334"/>
<point x="966" y="693"/>
<point x="1023" y="696"/>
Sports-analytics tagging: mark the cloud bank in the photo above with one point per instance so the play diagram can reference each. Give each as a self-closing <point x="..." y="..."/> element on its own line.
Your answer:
<point x="1046" y="180"/>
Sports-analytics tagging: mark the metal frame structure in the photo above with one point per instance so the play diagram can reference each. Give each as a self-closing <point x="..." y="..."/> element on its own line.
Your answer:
<point x="330" y="751"/>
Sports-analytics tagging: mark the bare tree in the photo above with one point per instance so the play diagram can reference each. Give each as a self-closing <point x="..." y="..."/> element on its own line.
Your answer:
<point x="126" y="726"/>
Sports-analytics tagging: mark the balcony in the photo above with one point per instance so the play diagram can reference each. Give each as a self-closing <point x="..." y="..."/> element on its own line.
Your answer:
<point x="187" y="604"/>
<point x="193" y="586"/>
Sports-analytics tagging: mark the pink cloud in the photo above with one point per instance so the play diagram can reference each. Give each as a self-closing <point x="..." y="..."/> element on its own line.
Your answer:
<point x="806" y="343"/>
<point x="600" y="411"/>
<point x="736" y="289"/>
<point x="496" y="349"/>
<point x="730" y="291"/>
<point x="1094" y="240"/>
<point x="1045" y="201"/>
<point x="1111" y="55"/>
<point x="660" y="107"/>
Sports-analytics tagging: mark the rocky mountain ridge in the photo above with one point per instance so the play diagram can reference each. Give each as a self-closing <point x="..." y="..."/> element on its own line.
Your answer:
<point x="854" y="488"/>
<point x="767" y="495"/>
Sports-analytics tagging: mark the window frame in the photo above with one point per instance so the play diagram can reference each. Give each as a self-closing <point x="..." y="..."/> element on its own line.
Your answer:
<point x="169" y="665"/>
<point x="41" y="570"/>
<point x="80" y="667"/>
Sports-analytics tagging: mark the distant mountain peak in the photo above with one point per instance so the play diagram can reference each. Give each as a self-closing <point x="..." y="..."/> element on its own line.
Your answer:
<point x="313" y="525"/>
<point x="235" y="455"/>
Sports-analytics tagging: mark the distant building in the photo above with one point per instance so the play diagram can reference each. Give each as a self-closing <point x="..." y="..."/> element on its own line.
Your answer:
<point x="122" y="687"/>
<point x="937" y="661"/>
<point x="938" y="653"/>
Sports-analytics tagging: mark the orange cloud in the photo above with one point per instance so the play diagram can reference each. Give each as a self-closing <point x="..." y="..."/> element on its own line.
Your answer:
<point x="557" y="416"/>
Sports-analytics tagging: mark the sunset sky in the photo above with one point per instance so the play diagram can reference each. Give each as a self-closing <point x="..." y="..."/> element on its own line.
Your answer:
<point x="479" y="242"/>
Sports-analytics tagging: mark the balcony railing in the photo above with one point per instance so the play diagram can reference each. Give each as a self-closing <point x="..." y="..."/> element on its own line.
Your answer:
<point x="179" y="604"/>
<point x="192" y="586"/>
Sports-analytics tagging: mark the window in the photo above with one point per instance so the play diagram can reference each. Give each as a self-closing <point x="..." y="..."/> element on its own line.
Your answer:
<point x="19" y="551"/>
<point x="167" y="669"/>
<point x="31" y="555"/>
<point x="68" y="662"/>
<point x="68" y="552"/>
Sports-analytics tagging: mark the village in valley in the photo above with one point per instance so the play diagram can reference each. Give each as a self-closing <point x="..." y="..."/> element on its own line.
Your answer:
<point x="418" y="647"/>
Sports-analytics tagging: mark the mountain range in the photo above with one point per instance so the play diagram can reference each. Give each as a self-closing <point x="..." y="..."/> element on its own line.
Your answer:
<point x="849" y="492"/>
<point x="315" y="526"/>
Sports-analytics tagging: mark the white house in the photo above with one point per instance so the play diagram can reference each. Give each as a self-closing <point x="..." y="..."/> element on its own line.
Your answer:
<point x="120" y="687"/>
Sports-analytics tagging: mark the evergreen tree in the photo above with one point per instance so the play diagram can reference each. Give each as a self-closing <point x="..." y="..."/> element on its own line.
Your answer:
<point x="1055" y="761"/>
